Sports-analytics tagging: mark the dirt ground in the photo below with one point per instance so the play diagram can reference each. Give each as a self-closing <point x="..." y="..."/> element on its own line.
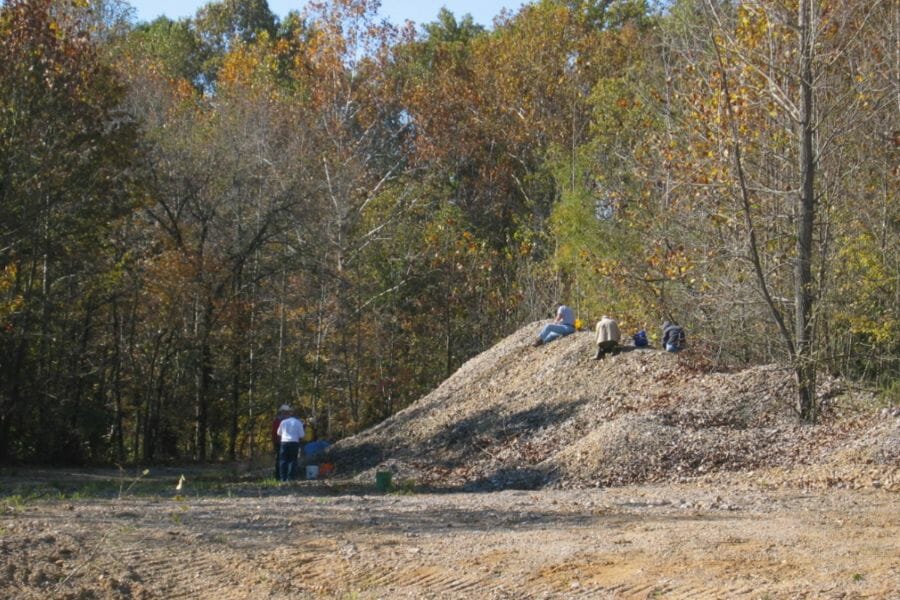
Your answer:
<point x="729" y="536"/>
<point x="643" y="475"/>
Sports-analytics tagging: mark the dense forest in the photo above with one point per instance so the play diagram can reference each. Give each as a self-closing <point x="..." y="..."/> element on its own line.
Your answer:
<point x="203" y="219"/>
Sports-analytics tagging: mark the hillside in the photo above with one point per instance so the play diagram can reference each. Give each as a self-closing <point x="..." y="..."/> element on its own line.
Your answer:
<point x="523" y="417"/>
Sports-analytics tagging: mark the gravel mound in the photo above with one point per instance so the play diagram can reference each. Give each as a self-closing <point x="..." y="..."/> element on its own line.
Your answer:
<point x="517" y="416"/>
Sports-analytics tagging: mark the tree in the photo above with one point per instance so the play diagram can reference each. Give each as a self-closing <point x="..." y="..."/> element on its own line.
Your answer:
<point x="772" y="90"/>
<point x="219" y="25"/>
<point x="165" y="45"/>
<point x="602" y="219"/>
<point x="66" y="153"/>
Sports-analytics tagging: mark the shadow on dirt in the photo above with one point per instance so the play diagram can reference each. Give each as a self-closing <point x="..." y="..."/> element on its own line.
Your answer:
<point x="394" y="516"/>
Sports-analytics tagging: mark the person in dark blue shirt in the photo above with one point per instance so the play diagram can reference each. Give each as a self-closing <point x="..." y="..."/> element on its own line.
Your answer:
<point x="673" y="338"/>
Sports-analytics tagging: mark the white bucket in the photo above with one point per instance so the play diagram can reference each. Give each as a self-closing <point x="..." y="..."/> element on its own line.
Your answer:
<point x="312" y="471"/>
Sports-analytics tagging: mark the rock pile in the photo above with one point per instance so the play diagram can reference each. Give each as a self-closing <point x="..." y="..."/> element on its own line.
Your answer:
<point x="523" y="417"/>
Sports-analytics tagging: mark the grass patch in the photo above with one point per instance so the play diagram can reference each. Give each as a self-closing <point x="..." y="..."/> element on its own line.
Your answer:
<point x="890" y="394"/>
<point x="21" y="487"/>
<point x="19" y="497"/>
<point x="12" y="504"/>
<point x="404" y="487"/>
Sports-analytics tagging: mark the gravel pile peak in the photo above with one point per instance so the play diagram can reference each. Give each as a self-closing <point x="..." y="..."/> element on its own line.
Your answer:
<point x="518" y="416"/>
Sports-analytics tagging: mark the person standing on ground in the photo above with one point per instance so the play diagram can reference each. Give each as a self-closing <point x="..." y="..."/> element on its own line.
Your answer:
<point x="673" y="338"/>
<point x="562" y="325"/>
<point x="312" y="446"/>
<point x="608" y="336"/>
<point x="276" y="439"/>
<point x="309" y="435"/>
<point x="290" y="432"/>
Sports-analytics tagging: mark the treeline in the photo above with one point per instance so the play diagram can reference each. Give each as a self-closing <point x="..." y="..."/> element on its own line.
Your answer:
<point x="203" y="219"/>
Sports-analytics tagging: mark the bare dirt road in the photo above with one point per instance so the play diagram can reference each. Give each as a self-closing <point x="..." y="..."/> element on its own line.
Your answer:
<point x="710" y="538"/>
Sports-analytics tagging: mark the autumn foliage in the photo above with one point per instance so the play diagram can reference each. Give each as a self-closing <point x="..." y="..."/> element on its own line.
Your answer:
<point x="203" y="219"/>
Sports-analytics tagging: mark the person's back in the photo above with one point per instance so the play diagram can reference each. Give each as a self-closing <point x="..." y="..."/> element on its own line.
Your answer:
<point x="673" y="337"/>
<point x="276" y="437"/>
<point x="565" y="315"/>
<point x="290" y="431"/>
<point x="562" y="325"/>
<point x="608" y="336"/>
<point x="608" y="330"/>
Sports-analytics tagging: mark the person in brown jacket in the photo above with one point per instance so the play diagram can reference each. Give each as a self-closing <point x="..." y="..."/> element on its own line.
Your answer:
<point x="608" y="337"/>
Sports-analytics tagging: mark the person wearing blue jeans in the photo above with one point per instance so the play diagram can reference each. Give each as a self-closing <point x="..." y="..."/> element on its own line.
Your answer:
<point x="276" y="439"/>
<point x="673" y="338"/>
<point x="562" y="325"/>
<point x="290" y="432"/>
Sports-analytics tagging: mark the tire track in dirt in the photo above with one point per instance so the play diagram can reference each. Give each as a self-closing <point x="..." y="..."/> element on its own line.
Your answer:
<point x="626" y="576"/>
<point x="431" y="579"/>
<point x="673" y="591"/>
<point x="173" y="564"/>
<point x="614" y="544"/>
<point x="206" y="574"/>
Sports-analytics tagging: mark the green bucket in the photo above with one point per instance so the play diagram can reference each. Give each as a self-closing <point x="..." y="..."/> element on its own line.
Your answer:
<point x="383" y="481"/>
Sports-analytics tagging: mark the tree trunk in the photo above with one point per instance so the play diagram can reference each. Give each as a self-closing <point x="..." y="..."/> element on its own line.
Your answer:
<point x="448" y="333"/>
<point x="235" y="402"/>
<point x="803" y="294"/>
<point x="118" y="419"/>
<point x="203" y="375"/>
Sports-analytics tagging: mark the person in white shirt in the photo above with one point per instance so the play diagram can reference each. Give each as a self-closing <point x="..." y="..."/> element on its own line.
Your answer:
<point x="276" y="439"/>
<point x="562" y="325"/>
<point x="290" y="432"/>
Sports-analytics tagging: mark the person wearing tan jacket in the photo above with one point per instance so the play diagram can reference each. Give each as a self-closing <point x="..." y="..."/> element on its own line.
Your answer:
<point x="608" y="337"/>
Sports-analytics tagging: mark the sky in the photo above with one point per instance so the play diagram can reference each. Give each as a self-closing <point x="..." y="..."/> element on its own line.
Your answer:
<point x="396" y="11"/>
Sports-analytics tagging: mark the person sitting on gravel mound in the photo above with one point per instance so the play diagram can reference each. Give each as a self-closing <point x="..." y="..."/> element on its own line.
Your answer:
<point x="608" y="336"/>
<point x="673" y="339"/>
<point x="563" y="325"/>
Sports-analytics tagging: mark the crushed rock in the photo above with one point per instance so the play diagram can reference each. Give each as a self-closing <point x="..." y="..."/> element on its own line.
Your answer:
<point x="518" y="416"/>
